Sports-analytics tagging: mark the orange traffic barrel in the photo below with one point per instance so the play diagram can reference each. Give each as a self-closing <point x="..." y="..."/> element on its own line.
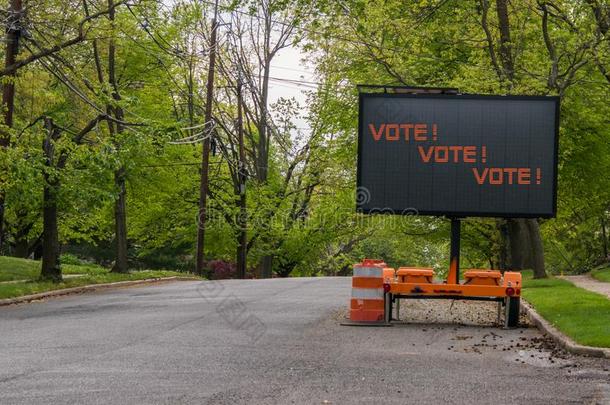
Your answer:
<point x="366" y="304"/>
<point x="377" y="262"/>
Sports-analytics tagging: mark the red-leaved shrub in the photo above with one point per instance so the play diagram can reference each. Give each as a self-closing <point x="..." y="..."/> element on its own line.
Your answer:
<point x="220" y="270"/>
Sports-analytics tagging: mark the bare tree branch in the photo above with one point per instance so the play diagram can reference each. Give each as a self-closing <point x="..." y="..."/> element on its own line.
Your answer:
<point x="49" y="51"/>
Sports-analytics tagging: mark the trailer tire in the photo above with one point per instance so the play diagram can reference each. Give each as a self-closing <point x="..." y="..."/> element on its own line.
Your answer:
<point x="513" y="305"/>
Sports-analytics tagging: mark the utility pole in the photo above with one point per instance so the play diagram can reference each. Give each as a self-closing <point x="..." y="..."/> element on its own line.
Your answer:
<point x="205" y="158"/>
<point x="13" y="32"/>
<point x="242" y="249"/>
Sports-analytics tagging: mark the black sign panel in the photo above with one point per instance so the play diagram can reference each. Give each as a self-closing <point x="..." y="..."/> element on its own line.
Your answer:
<point x="458" y="155"/>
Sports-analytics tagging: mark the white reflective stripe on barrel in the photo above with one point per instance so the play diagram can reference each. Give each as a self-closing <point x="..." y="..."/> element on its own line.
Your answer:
<point x="368" y="272"/>
<point x="367" y="293"/>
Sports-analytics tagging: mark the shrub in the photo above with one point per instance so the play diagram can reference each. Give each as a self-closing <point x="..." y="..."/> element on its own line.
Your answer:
<point x="221" y="270"/>
<point x="68" y="258"/>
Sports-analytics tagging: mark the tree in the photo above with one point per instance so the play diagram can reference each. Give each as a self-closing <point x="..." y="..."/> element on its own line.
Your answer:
<point x="477" y="52"/>
<point x="55" y="162"/>
<point x="278" y="195"/>
<point x="13" y="32"/>
<point x="12" y="66"/>
<point x="274" y="24"/>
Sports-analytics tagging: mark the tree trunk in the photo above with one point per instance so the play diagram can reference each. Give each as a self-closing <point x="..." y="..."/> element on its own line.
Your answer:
<point x="266" y="266"/>
<point x="242" y="223"/>
<point x="504" y="259"/>
<point x="506" y="55"/>
<point x="37" y="252"/>
<point x="116" y="129"/>
<point x="537" y="248"/>
<point x="604" y="236"/>
<point x="120" y="221"/>
<point x="51" y="269"/>
<point x="520" y="245"/>
<point x="13" y="33"/>
<point x="263" y="137"/>
<point x="21" y="246"/>
<point x="525" y="240"/>
<point x="2" y="197"/>
<point x="242" y="239"/>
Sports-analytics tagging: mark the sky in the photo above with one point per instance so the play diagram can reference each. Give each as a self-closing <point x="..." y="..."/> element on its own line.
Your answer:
<point x="288" y="65"/>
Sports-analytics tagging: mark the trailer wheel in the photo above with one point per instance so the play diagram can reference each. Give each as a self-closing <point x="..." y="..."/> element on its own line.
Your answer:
<point x="512" y="312"/>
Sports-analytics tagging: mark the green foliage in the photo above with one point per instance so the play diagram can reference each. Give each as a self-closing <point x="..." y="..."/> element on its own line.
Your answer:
<point x="68" y="258"/>
<point x="444" y="44"/>
<point x="303" y="214"/>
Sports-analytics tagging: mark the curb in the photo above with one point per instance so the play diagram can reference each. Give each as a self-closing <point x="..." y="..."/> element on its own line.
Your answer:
<point x="88" y="288"/>
<point x="560" y="339"/>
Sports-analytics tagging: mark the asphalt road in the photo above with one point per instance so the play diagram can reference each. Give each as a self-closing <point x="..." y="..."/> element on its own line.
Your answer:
<point x="275" y="342"/>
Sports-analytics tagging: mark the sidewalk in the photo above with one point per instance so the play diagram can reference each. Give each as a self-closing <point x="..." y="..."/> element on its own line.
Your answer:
<point x="589" y="283"/>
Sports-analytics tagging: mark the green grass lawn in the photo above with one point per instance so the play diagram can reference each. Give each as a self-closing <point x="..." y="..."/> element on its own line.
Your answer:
<point x="12" y="268"/>
<point x="601" y="273"/>
<point x="22" y="269"/>
<point x="582" y="315"/>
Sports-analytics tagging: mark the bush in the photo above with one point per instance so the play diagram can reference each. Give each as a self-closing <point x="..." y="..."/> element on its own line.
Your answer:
<point x="220" y="270"/>
<point x="68" y="258"/>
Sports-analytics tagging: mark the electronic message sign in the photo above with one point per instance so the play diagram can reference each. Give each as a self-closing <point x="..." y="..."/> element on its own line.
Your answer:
<point x="458" y="155"/>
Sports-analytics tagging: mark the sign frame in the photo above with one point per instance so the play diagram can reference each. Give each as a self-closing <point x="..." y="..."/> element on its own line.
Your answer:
<point x="463" y="96"/>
